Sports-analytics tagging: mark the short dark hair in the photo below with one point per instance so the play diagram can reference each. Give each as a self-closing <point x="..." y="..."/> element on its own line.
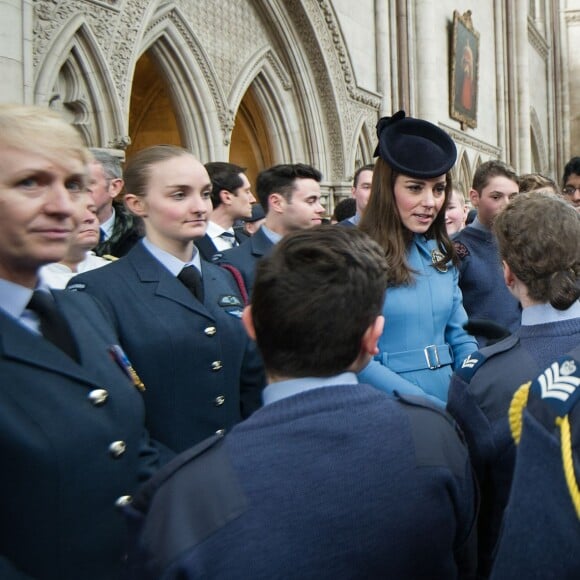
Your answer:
<point x="572" y="167"/>
<point x="223" y="175"/>
<point x="344" y="209"/>
<point x="281" y="179"/>
<point x="490" y="169"/>
<point x="369" y="167"/>
<point x="313" y="299"/>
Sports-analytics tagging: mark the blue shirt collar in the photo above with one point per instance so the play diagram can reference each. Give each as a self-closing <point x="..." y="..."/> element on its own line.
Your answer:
<point x="476" y="224"/>
<point x="545" y="313"/>
<point x="272" y="236"/>
<point x="283" y="389"/>
<point x="173" y="264"/>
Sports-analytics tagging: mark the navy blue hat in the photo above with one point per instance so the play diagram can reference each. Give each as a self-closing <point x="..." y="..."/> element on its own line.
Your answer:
<point x="257" y="213"/>
<point x="415" y="147"/>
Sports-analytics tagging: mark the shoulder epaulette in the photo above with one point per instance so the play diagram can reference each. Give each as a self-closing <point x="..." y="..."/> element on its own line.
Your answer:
<point x="461" y="250"/>
<point x="471" y="364"/>
<point x="109" y="257"/>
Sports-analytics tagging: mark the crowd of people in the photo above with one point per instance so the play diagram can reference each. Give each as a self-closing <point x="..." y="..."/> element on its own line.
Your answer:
<point x="200" y="382"/>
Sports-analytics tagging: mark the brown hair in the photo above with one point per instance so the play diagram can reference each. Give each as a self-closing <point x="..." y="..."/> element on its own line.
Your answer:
<point x="536" y="181"/>
<point x="381" y="220"/>
<point x="539" y="238"/>
<point x="137" y="172"/>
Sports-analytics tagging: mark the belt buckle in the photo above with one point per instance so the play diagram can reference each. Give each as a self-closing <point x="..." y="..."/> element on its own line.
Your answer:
<point x="431" y="353"/>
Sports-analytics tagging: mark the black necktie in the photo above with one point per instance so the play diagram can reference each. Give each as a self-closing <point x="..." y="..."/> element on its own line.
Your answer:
<point x="53" y="324"/>
<point x="191" y="278"/>
<point x="229" y="238"/>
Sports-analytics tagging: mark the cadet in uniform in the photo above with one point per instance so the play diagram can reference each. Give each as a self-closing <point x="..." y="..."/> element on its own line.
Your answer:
<point x="331" y="478"/>
<point x="541" y="529"/>
<point x="178" y="317"/>
<point x="72" y="422"/>
<point x="539" y="242"/>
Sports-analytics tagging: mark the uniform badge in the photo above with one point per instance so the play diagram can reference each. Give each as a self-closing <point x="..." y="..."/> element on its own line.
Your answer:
<point x="235" y="312"/>
<point x="229" y="300"/>
<point x="119" y="356"/>
<point x="437" y="256"/>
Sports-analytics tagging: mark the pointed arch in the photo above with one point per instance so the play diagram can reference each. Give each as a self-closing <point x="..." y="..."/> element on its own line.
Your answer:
<point x="199" y="103"/>
<point x="362" y="147"/>
<point x="465" y="175"/>
<point x="265" y="82"/>
<point x="75" y="56"/>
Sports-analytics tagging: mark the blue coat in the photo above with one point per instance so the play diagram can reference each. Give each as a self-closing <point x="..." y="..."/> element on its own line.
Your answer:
<point x="245" y="257"/>
<point x="60" y="481"/>
<point x="427" y="312"/>
<point x="201" y="372"/>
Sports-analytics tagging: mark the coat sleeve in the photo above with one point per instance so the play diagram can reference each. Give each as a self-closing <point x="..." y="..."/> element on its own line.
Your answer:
<point x="462" y="343"/>
<point x="385" y="379"/>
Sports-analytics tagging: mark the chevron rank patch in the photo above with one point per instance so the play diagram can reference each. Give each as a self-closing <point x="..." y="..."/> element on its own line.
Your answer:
<point x="469" y="366"/>
<point x="559" y="385"/>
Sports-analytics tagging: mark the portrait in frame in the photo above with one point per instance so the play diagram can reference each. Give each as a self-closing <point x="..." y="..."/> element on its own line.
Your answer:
<point x="464" y="70"/>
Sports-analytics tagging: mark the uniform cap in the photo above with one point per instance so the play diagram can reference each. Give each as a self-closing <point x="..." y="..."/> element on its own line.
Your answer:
<point x="415" y="147"/>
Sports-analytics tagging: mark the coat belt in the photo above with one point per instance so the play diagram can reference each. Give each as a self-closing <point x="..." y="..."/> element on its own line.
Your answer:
<point x="431" y="357"/>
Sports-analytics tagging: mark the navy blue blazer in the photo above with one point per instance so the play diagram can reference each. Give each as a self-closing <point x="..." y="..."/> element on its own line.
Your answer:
<point x="62" y="425"/>
<point x="207" y="249"/>
<point x="245" y="257"/>
<point x="201" y="372"/>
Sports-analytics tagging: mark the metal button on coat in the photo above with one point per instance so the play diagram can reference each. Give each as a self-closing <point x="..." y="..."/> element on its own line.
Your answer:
<point x="220" y="432"/>
<point x="123" y="500"/>
<point x="216" y="365"/>
<point x="117" y="448"/>
<point x="98" y="397"/>
<point x="219" y="400"/>
<point x="210" y="330"/>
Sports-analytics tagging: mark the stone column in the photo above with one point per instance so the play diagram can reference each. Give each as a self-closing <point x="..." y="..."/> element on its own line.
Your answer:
<point x="523" y="89"/>
<point x="428" y="67"/>
<point x="383" y="55"/>
<point x="16" y="51"/>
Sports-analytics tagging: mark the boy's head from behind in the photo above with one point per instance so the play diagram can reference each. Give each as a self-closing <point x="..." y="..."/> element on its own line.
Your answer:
<point x="317" y="301"/>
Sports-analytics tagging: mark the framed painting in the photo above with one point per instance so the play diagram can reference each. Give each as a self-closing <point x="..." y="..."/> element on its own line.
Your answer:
<point x="464" y="70"/>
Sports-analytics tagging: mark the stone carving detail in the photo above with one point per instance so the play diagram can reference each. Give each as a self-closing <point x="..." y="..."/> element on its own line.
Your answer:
<point x="119" y="142"/>
<point x="471" y="142"/>
<point x="537" y="40"/>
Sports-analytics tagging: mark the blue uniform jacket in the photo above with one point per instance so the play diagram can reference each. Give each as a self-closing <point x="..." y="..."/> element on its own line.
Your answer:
<point x="245" y="257"/>
<point x="201" y="372"/>
<point x="64" y="466"/>
<point x="428" y="312"/>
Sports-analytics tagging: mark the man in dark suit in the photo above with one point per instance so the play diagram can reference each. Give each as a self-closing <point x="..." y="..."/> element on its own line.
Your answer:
<point x="71" y="418"/>
<point x="290" y="196"/>
<point x="232" y="199"/>
<point x="330" y="478"/>
<point x="120" y="229"/>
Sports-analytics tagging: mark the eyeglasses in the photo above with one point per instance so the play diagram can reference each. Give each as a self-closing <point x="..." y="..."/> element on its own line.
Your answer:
<point x="570" y="190"/>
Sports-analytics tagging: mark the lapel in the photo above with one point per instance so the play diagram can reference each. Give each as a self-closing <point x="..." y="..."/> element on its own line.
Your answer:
<point x="261" y="243"/>
<point x="18" y="343"/>
<point x="150" y="271"/>
<point x="206" y="247"/>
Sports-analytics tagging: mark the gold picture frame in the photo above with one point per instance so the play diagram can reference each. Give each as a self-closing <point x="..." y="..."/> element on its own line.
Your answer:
<point x="464" y="70"/>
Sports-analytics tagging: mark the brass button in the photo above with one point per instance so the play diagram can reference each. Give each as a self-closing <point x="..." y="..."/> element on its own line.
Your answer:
<point x="220" y="432"/>
<point x="210" y="330"/>
<point x="219" y="401"/>
<point x="117" y="448"/>
<point x="123" y="501"/>
<point x="98" y="397"/>
<point x="216" y="365"/>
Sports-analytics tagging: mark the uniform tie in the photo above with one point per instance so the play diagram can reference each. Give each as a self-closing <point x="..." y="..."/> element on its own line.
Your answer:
<point x="191" y="279"/>
<point x="102" y="235"/>
<point x="53" y="324"/>
<point x="229" y="238"/>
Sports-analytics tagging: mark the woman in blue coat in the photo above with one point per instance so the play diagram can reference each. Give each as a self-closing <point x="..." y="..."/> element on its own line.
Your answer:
<point x="424" y="339"/>
<point x="183" y="334"/>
